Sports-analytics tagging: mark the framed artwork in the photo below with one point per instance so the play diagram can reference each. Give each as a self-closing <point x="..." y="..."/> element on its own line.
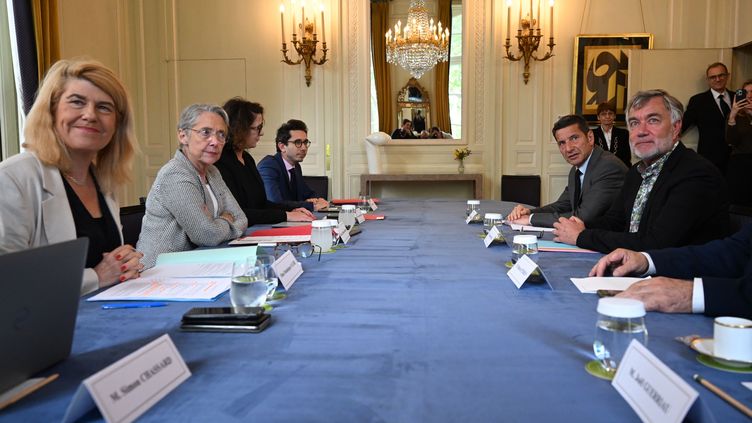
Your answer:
<point x="601" y="66"/>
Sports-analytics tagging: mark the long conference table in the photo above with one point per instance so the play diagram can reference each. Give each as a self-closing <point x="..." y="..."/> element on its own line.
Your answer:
<point x="415" y="321"/>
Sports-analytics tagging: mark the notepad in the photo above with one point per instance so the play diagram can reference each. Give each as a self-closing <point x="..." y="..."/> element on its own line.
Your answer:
<point x="593" y="284"/>
<point x="207" y="255"/>
<point x="276" y="235"/>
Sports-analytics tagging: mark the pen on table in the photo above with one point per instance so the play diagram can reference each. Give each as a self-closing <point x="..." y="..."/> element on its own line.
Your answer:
<point x="150" y="304"/>
<point x="726" y="397"/>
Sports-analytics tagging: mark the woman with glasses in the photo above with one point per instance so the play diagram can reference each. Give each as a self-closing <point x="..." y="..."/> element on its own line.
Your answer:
<point x="238" y="168"/>
<point x="79" y="144"/>
<point x="739" y="136"/>
<point x="189" y="204"/>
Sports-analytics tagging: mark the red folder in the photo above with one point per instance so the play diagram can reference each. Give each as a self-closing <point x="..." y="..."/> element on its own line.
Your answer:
<point x="294" y="230"/>
<point x="355" y="201"/>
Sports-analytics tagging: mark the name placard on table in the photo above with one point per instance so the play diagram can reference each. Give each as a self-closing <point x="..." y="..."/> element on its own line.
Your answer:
<point x="126" y="389"/>
<point x="651" y="388"/>
<point x="288" y="269"/>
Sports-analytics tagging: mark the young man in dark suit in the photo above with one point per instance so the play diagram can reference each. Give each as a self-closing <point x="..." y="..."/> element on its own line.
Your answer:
<point x="709" y="111"/>
<point x="594" y="180"/>
<point x="282" y="174"/>
<point x="672" y="197"/>
<point x="714" y="278"/>
<point x="610" y="138"/>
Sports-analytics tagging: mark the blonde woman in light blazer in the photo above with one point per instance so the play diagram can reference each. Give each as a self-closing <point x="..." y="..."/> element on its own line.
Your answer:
<point x="79" y="147"/>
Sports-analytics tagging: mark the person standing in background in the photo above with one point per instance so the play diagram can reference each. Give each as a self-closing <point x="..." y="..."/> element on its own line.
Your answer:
<point x="610" y="138"/>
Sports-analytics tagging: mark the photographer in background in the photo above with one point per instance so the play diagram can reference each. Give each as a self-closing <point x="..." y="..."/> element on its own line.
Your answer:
<point x="739" y="137"/>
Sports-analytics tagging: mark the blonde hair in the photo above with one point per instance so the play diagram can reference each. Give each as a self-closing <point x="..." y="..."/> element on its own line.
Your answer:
<point x="113" y="162"/>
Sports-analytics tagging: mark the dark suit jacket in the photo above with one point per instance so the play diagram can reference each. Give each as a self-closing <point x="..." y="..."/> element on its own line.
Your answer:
<point x="277" y="183"/>
<point x="687" y="205"/>
<point x="600" y="186"/>
<point x="619" y="143"/>
<point x="725" y="267"/>
<point x="703" y="112"/>
<point x="246" y="185"/>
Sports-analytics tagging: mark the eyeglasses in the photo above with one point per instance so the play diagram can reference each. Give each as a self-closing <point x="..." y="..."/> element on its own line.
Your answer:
<point x="304" y="250"/>
<point x="258" y="128"/>
<point x="300" y="143"/>
<point x="717" y="77"/>
<point x="206" y="133"/>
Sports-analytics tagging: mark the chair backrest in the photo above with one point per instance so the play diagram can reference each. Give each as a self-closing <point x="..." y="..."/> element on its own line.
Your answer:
<point x="131" y="218"/>
<point x="524" y="189"/>
<point x="320" y="184"/>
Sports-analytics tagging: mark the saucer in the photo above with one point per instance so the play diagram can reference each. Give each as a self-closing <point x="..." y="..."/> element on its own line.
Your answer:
<point x="704" y="346"/>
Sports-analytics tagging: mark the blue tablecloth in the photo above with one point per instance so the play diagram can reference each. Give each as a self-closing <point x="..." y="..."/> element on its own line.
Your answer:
<point x="415" y="321"/>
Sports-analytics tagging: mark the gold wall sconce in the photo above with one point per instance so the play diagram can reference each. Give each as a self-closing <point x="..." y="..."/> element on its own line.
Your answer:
<point x="529" y="36"/>
<point x="306" y="45"/>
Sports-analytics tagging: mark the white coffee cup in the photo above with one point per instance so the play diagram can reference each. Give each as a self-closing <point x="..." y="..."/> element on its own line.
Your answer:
<point x="732" y="338"/>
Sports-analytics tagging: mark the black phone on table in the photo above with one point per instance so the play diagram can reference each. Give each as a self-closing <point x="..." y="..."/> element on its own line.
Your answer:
<point x="242" y="326"/>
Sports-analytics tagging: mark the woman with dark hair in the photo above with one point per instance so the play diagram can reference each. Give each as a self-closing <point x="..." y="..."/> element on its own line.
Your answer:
<point x="239" y="170"/>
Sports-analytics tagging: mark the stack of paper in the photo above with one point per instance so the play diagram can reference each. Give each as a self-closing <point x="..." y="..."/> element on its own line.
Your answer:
<point x="594" y="284"/>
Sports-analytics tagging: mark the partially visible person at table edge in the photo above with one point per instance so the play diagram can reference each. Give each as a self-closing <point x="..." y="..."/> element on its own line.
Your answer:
<point x="713" y="278"/>
<point x="189" y="204"/>
<point x="79" y="144"/>
<point x="238" y="168"/>
<point x="739" y="136"/>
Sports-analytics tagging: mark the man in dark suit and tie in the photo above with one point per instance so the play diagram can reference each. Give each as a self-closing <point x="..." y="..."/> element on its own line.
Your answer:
<point x="714" y="278"/>
<point x="672" y="197"/>
<point x="611" y="138"/>
<point x="709" y="111"/>
<point x="594" y="180"/>
<point x="282" y="174"/>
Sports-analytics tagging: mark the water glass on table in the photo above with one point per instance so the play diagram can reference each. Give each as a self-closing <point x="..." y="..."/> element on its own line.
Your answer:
<point x="619" y="321"/>
<point x="265" y="261"/>
<point x="248" y="286"/>
<point x="363" y="204"/>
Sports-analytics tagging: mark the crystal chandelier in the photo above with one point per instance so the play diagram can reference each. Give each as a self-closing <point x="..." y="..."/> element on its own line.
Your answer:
<point x="420" y="44"/>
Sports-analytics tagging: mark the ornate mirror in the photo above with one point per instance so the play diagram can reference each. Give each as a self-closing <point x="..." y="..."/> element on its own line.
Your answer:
<point x="413" y="103"/>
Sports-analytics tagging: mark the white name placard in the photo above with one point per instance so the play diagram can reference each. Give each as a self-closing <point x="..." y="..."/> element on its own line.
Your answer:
<point x="521" y="270"/>
<point x="345" y="236"/>
<point x="651" y="388"/>
<point x="288" y="269"/>
<point x="471" y="216"/>
<point x="372" y="204"/>
<point x="492" y="234"/>
<point x="126" y="389"/>
<point x="359" y="217"/>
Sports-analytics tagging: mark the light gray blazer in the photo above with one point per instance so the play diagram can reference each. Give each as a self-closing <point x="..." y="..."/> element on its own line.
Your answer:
<point x="178" y="210"/>
<point x="600" y="186"/>
<point x="34" y="209"/>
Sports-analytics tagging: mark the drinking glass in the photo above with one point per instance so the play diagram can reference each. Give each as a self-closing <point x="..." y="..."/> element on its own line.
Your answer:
<point x="472" y="205"/>
<point x="619" y="321"/>
<point x="363" y="204"/>
<point x="321" y="234"/>
<point x="524" y="245"/>
<point x="490" y="220"/>
<point x="347" y="215"/>
<point x="265" y="261"/>
<point x="248" y="286"/>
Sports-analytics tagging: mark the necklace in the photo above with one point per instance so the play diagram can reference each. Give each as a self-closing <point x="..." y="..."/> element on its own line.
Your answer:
<point x="76" y="180"/>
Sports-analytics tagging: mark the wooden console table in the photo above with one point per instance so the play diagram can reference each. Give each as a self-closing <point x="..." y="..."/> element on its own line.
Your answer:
<point x="366" y="180"/>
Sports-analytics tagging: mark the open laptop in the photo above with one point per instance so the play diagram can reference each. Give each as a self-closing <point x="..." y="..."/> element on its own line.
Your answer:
<point x="41" y="291"/>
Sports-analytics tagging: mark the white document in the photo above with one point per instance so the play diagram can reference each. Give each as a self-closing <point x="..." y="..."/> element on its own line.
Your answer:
<point x="288" y="269"/>
<point x="522" y="270"/>
<point x="166" y="289"/>
<point x="126" y="389"/>
<point x="516" y="227"/>
<point x="201" y="270"/>
<point x="651" y="388"/>
<point x="609" y="283"/>
<point x="280" y="239"/>
<point x="471" y="216"/>
<point x="492" y="234"/>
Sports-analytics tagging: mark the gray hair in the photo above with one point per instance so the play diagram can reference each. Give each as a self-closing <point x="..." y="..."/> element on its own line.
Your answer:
<point x="672" y="104"/>
<point x="191" y="113"/>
